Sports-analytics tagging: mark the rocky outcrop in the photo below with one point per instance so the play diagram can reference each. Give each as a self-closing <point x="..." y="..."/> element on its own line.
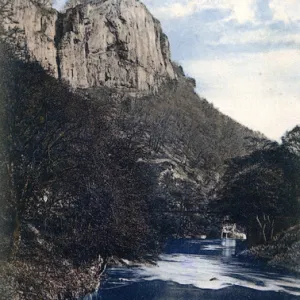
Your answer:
<point x="114" y="43"/>
<point x="31" y="28"/>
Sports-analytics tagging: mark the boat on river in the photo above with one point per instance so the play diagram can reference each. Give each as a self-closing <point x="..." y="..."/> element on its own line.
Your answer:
<point x="231" y="231"/>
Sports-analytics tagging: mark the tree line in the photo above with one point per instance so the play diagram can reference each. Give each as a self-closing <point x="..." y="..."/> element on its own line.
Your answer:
<point x="261" y="191"/>
<point x="67" y="171"/>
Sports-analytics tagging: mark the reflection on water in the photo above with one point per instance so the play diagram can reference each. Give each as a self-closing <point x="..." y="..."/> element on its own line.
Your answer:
<point x="199" y="269"/>
<point x="228" y="247"/>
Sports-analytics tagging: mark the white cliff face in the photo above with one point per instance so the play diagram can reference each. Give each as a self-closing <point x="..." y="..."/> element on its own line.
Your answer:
<point x="115" y="43"/>
<point x="31" y="28"/>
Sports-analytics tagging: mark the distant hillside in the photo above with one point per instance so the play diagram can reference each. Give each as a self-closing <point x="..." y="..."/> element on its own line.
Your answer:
<point x="187" y="142"/>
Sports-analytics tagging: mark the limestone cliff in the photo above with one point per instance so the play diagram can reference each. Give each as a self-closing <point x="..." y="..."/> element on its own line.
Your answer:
<point x="32" y="29"/>
<point x="115" y="43"/>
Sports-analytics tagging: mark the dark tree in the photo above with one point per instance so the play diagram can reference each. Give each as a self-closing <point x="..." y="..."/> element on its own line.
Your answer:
<point x="259" y="191"/>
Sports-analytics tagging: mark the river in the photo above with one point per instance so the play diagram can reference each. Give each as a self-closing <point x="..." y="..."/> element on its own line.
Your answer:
<point x="199" y="269"/>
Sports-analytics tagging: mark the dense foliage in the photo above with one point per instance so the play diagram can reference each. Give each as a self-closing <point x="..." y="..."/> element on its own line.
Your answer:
<point x="261" y="190"/>
<point x="65" y="172"/>
<point x="188" y="141"/>
<point x="87" y="169"/>
<point x="100" y="172"/>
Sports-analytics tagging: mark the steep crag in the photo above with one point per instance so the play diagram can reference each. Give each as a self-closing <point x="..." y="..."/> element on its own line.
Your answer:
<point x="111" y="43"/>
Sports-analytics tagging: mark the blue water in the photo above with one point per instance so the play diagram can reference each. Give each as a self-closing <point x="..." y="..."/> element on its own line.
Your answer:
<point x="199" y="269"/>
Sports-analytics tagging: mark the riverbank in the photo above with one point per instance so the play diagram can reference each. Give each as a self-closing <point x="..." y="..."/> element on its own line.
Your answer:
<point x="38" y="271"/>
<point x="284" y="252"/>
<point x="42" y="277"/>
<point x="45" y="278"/>
<point x="36" y="274"/>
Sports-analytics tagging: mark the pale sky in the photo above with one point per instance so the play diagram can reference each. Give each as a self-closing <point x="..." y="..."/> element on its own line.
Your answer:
<point x="244" y="55"/>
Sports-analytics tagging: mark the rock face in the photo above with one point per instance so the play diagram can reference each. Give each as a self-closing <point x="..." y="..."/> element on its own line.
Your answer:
<point x="115" y="43"/>
<point x="32" y="29"/>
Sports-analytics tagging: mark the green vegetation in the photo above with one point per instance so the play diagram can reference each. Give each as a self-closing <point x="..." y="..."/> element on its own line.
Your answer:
<point x="261" y="190"/>
<point x="100" y="173"/>
<point x="71" y="189"/>
<point x="67" y="174"/>
<point x="96" y="174"/>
